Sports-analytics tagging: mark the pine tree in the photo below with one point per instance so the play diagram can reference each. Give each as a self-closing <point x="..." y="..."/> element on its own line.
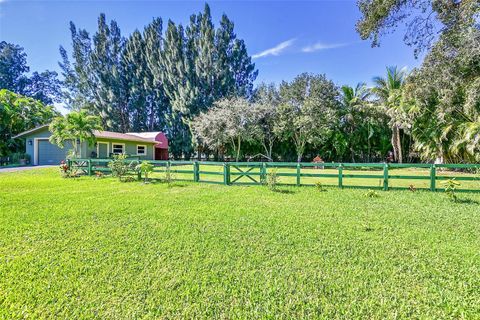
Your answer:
<point x="151" y="81"/>
<point x="135" y="69"/>
<point x="157" y="104"/>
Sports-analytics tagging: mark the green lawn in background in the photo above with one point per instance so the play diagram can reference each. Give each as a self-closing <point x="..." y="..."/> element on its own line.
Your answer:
<point x="86" y="248"/>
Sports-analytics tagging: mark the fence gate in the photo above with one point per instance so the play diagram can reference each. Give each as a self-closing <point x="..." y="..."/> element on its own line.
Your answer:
<point x="246" y="173"/>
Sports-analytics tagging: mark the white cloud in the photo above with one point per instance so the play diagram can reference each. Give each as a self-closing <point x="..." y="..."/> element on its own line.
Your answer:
<point x="275" y="51"/>
<point x="322" y="46"/>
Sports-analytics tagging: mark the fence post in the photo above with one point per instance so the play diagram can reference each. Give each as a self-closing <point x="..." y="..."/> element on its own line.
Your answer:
<point x="89" y="167"/>
<point x="263" y="173"/>
<point x="298" y="174"/>
<point x="340" y="176"/>
<point x="226" y="173"/>
<point x="433" y="178"/>
<point x="195" y="172"/>
<point x="385" y="177"/>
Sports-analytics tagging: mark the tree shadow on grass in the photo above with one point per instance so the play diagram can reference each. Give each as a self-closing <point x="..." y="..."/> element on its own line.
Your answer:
<point x="284" y="191"/>
<point x="467" y="201"/>
<point x="177" y="185"/>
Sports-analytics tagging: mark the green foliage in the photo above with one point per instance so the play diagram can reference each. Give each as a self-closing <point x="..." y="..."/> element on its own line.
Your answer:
<point x="155" y="81"/>
<point x="17" y="114"/>
<point x="68" y="171"/>
<point x="320" y="187"/>
<point x="363" y="132"/>
<point x="169" y="176"/>
<point x="272" y="179"/>
<point x="441" y="96"/>
<point x="424" y="19"/>
<point x="389" y="91"/>
<point x="444" y="92"/>
<point x="372" y="194"/>
<point x="144" y="167"/>
<point x="44" y="86"/>
<point x="120" y="167"/>
<point x="309" y="107"/>
<point x="72" y="127"/>
<point x="18" y="156"/>
<point x="228" y="123"/>
<point x="450" y="188"/>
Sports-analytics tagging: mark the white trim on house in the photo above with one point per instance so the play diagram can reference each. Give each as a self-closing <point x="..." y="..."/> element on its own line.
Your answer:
<point x="144" y="149"/>
<point x="35" y="150"/>
<point x="108" y="147"/>
<point x="119" y="144"/>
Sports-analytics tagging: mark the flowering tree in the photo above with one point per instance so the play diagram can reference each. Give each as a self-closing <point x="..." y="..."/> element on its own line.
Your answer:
<point x="227" y="123"/>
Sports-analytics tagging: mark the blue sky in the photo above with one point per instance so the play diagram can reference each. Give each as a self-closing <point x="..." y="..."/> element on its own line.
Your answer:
<point x="285" y="37"/>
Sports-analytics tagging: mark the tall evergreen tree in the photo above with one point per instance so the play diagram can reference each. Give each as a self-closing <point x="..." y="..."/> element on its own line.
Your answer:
<point x="157" y="104"/>
<point x="153" y="81"/>
<point x="42" y="86"/>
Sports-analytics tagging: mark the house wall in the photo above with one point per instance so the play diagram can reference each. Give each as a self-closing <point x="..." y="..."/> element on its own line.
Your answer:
<point x="130" y="148"/>
<point x="32" y="143"/>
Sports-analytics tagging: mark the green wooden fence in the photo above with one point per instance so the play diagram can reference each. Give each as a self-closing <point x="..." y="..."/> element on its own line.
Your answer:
<point x="301" y="174"/>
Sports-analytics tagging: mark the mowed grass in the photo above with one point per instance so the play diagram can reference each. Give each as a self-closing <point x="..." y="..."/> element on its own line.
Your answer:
<point x="86" y="248"/>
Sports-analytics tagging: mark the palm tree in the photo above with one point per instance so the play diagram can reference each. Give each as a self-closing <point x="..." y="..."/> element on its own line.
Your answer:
<point x="354" y="101"/>
<point x="389" y="92"/>
<point x="74" y="126"/>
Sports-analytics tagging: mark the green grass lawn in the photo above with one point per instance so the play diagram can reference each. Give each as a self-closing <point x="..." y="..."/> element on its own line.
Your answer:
<point x="86" y="248"/>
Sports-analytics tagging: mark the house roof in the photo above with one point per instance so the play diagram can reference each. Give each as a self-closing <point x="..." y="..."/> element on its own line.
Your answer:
<point x="162" y="141"/>
<point x="24" y="133"/>
<point x="121" y="136"/>
<point x="147" y="135"/>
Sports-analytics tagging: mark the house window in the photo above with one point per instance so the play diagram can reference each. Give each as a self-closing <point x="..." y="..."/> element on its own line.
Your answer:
<point x="118" y="148"/>
<point x="141" y="150"/>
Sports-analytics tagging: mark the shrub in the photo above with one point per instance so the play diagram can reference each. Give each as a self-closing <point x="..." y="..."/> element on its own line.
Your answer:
<point x="119" y="166"/>
<point x="19" y="157"/>
<point x="272" y="180"/>
<point x="320" y="187"/>
<point x="128" y="179"/>
<point x="67" y="171"/>
<point x="372" y="194"/>
<point x="169" y="176"/>
<point x="450" y="187"/>
<point x="144" y="167"/>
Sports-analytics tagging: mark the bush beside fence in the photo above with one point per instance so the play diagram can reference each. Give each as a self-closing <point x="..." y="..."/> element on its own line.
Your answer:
<point x="303" y="174"/>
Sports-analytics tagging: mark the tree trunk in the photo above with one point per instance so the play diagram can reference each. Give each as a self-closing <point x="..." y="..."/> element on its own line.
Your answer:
<point x="74" y="148"/>
<point x="238" y="150"/>
<point x="397" y="144"/>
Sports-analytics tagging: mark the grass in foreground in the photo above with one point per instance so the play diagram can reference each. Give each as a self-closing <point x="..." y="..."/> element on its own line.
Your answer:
<point x="88" y="248"/>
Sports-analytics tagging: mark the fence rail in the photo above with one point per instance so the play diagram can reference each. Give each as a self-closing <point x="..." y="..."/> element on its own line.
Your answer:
<point x="307" y="174"/>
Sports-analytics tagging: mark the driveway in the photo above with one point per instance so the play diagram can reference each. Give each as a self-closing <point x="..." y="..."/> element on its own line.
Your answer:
<point x="15" y="169"/>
